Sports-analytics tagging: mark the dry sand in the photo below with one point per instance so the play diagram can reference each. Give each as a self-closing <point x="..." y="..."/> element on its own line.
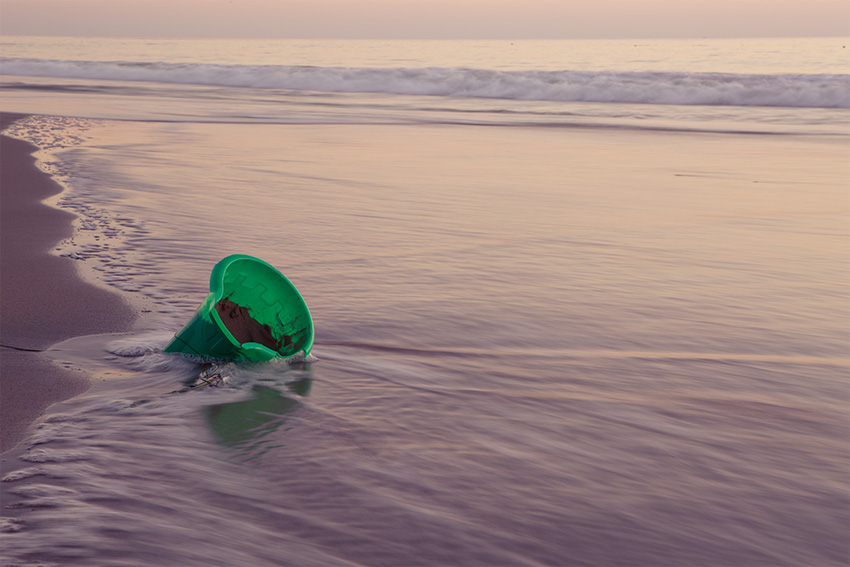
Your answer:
<point x="42" y="298"/>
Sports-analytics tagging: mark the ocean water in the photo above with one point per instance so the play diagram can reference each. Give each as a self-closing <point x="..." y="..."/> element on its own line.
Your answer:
<point x="576" y="302"/>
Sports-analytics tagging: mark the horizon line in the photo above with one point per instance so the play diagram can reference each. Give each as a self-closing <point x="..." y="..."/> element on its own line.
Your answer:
<point x="358" y="38"/>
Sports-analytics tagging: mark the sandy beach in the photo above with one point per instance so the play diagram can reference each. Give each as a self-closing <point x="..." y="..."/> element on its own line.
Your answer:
<point x="43" y="300"/>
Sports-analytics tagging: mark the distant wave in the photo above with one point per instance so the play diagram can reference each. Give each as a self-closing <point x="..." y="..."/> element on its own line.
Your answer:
<point x="726" y="89"/>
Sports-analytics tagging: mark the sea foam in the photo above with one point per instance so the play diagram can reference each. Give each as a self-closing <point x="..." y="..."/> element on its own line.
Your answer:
<point x="647" y="87"/>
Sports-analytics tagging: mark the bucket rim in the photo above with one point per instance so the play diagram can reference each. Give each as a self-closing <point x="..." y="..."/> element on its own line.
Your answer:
<point x="217" y="290"/>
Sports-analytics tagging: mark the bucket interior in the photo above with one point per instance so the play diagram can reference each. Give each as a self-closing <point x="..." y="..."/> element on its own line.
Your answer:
<point x="269" y="298"/>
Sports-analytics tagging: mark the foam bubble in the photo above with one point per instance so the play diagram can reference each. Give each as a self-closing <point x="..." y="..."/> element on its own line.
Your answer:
<point x="42" y="491"/>
<point x="54" y="456"/>
<point x="139" y="345"/>
<point x="24" y="473"/>
<point x="11" y="525"/>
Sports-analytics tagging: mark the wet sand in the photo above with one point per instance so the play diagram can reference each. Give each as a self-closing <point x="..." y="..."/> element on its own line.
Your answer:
<point x="42" y="298"/>
<point x="245" y="328"/>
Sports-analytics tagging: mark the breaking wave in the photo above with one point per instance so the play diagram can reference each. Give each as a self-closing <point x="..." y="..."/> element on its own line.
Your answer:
<point x="680" y="88"/>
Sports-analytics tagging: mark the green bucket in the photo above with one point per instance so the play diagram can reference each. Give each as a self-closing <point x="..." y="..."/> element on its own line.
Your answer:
<point x="252" y="313"/>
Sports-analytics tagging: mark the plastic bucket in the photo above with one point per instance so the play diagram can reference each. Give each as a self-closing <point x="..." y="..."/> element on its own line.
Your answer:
<point x="260" y="290"/>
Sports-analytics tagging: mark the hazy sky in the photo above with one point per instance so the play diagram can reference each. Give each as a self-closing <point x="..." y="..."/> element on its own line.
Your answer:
<point x="513" y="19"/>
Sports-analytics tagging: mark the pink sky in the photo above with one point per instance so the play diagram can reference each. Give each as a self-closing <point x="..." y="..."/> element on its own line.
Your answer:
<point x="451" y="19"/>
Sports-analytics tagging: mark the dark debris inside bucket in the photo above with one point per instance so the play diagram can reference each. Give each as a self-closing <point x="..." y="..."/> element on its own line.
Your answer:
<point x="245" y="328"/>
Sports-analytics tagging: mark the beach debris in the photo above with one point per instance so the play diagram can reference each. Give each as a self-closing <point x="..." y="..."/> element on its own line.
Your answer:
<point x="211" y="376"/>
<point x="251" y="313"/>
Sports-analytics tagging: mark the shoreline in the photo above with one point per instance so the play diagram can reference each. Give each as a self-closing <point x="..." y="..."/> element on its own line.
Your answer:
<point x="43" y="300"/>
